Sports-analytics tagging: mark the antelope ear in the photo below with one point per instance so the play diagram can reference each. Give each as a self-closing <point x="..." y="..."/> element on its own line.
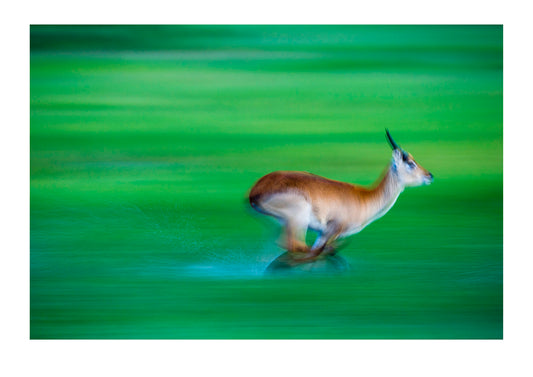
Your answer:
<point x="397" y="155"/>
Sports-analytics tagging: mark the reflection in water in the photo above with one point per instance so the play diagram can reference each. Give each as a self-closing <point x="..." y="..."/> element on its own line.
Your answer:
<point x="284" y="264"/>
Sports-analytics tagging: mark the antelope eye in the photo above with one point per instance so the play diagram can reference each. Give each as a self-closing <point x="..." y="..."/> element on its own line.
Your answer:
<point x="411" y="164"/>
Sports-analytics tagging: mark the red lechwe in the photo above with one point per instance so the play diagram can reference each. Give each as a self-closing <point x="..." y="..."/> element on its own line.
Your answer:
<point x="334" y="209"/>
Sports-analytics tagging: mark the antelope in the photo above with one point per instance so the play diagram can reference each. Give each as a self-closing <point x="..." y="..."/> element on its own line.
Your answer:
<point x="334" y="209"/>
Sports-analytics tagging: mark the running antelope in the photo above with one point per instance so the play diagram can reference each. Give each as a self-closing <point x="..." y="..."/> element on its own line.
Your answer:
<point x="334" y="209"/>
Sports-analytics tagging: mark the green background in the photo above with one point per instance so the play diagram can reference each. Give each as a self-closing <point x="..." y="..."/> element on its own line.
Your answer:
<point x="146" y="139"/>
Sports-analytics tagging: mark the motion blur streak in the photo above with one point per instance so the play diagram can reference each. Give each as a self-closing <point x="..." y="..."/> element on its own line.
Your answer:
<point x="145" y="140"/>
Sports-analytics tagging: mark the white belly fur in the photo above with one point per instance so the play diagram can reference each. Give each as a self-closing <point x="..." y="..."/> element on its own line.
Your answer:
<point x="294" y="208"/>
<point x="289" y="207"/>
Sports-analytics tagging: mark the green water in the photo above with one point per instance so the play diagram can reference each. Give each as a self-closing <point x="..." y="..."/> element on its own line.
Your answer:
<point x="145" y="140"/>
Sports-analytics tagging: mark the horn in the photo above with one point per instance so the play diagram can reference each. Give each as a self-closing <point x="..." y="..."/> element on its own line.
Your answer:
<point x="391" y="141"/>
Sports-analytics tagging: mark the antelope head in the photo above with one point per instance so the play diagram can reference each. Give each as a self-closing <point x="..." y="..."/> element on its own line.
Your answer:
<point x="408" y="170"/>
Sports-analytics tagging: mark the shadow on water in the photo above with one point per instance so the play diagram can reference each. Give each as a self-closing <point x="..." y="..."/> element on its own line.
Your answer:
<point x="330" y="264"/>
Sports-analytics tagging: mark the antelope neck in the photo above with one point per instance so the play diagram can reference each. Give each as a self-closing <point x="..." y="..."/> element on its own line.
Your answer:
<point x="387" y="190"/>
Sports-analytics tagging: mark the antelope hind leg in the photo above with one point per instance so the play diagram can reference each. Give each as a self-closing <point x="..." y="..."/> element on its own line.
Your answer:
<point x="324" y="244"/>
<point x="295" y="237"/>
